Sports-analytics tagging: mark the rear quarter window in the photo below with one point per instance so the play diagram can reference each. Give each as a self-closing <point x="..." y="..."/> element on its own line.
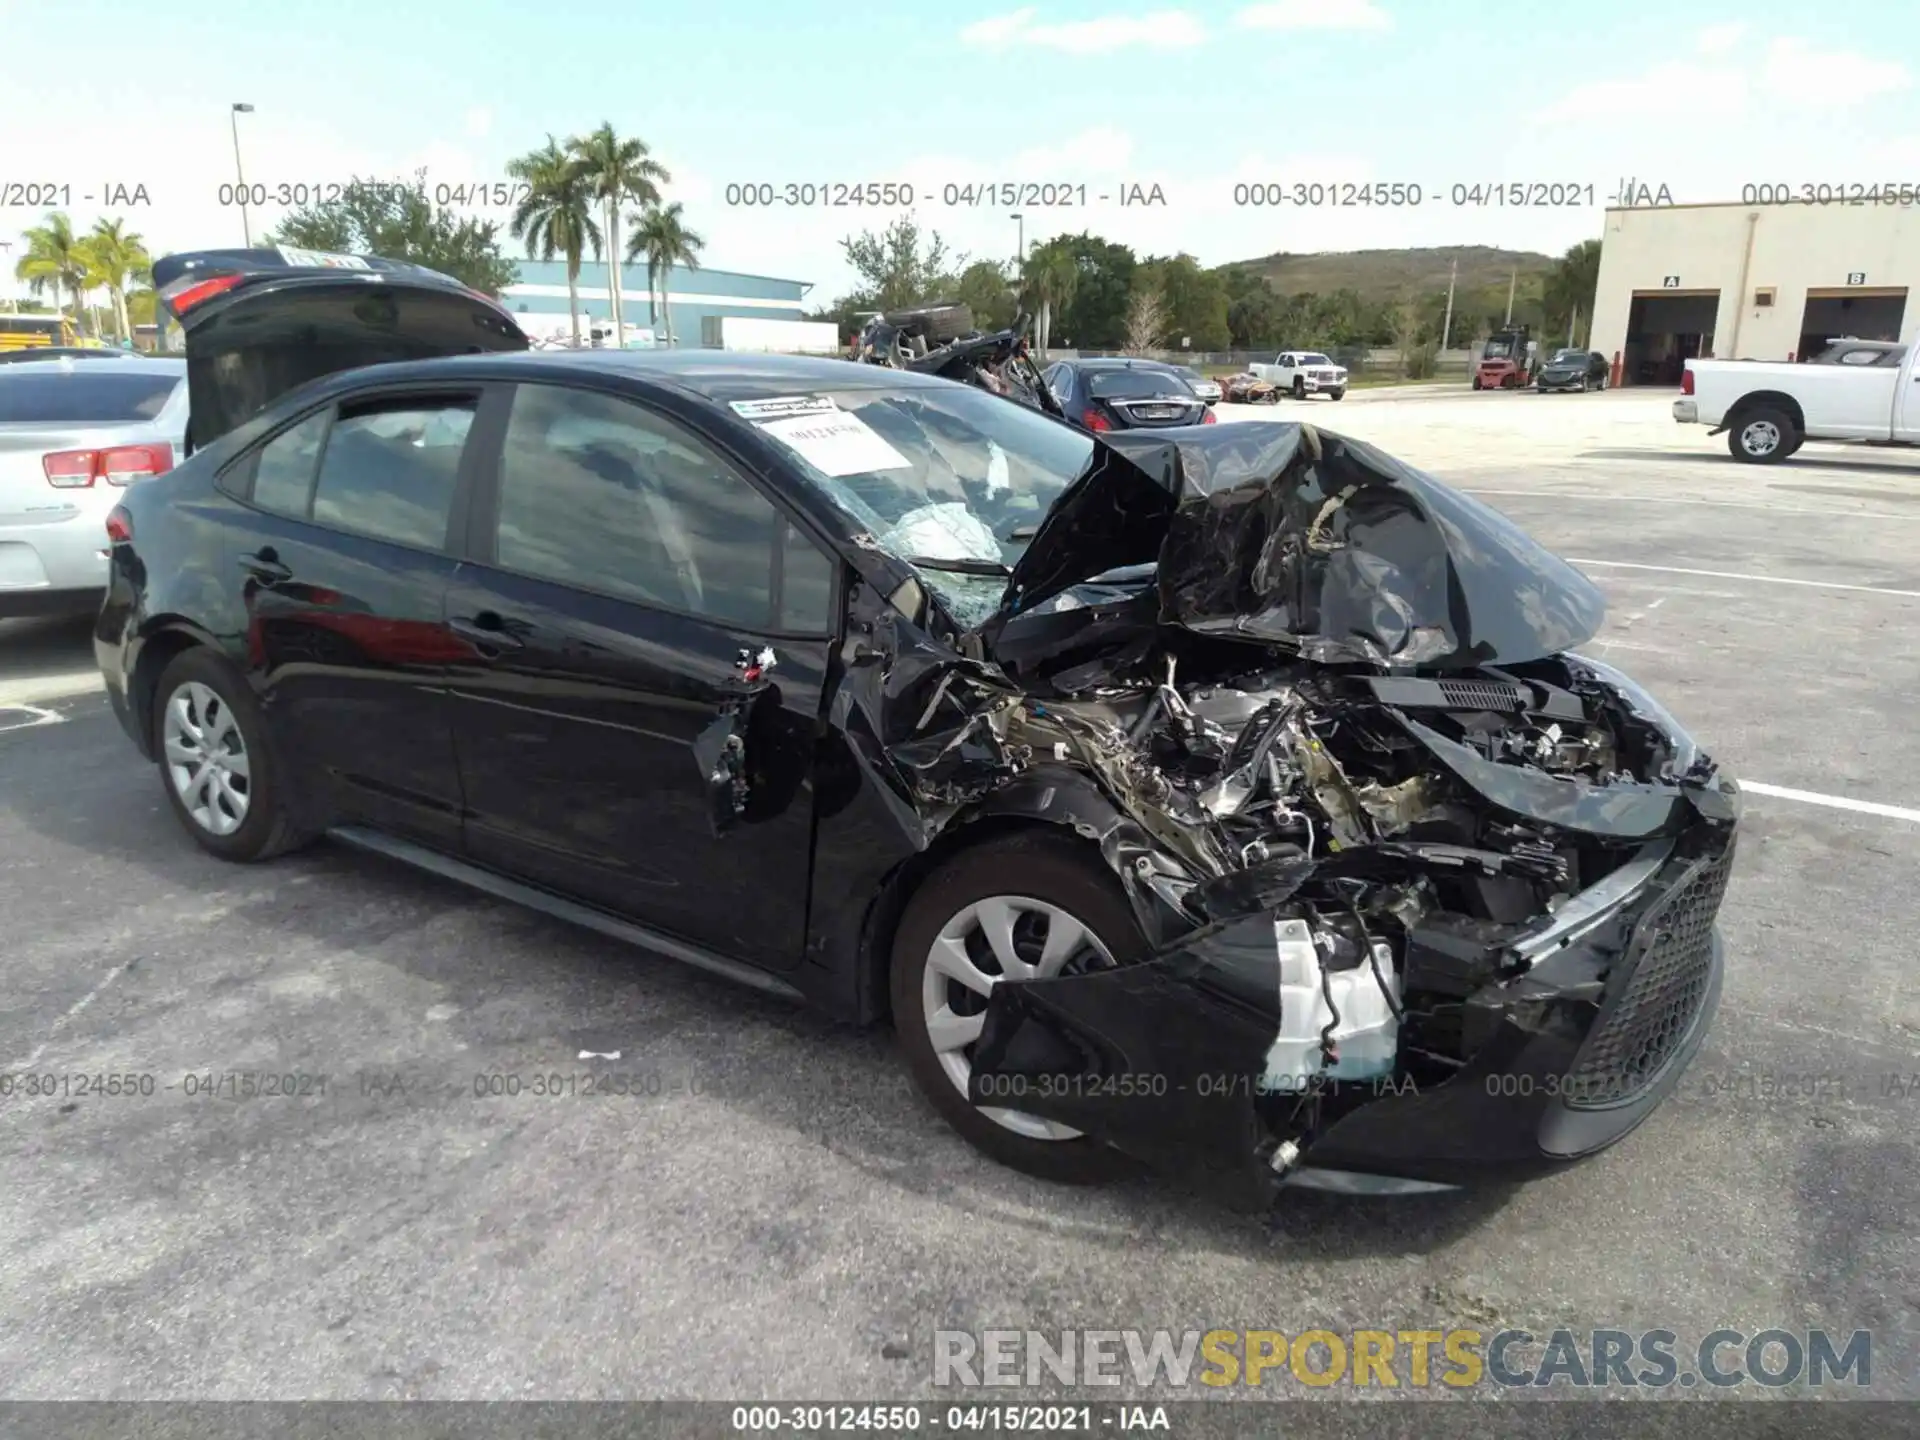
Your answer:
<point x="84" y="397"/>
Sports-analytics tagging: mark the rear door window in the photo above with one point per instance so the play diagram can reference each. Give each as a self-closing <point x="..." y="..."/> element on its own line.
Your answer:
<point x="283" y="471"/>
<point x="391" y="467"/>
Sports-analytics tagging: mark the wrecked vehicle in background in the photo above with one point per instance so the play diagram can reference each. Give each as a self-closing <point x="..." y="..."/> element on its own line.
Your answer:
<point x="1232" y="799"/>
<point x="942" y="340"/>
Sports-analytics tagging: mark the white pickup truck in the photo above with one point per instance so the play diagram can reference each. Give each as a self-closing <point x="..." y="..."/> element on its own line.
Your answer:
<point x="1865" y="390"/>
<point x="1302" y="373"/>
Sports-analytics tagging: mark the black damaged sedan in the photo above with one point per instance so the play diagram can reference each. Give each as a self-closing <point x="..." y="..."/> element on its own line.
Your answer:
<point x="1232" y="799"/>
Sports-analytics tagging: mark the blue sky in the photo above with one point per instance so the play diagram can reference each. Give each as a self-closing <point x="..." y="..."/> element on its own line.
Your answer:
<point x="1198" y="99"/>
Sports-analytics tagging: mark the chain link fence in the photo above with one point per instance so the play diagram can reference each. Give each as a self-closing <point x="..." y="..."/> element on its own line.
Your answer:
<point x="1361" y="362"/>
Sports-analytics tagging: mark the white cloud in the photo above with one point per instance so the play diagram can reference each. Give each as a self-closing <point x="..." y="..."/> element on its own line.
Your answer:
<point x="1161" y="28"/>
<point x="1314" y="15"/>
<point x="479" y="122"/>
<point x="1719" y="39"/>
<point x="1792" y="75"/>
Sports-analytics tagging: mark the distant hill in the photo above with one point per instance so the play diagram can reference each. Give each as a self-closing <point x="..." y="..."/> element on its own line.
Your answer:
<point x="1383" y="275"/>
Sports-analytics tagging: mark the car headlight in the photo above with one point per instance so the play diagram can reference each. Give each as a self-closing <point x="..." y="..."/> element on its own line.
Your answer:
<point x="1686" y="751"/>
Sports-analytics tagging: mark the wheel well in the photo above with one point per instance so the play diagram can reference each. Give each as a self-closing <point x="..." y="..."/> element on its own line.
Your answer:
<point x="156" y="653"/>
<point x="883" y="915"/>
<point x="1767" y="400"/>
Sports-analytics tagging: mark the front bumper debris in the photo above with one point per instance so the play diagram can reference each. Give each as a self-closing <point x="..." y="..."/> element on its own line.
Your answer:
<point x="1608" y="1003"/>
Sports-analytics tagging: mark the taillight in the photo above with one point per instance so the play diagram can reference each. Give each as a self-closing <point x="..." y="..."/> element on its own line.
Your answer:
<point x="1094" y="420"/>
<point x="1686" y="381"/>
<point x="117" y="465"/>
<point x="119" y="525"/>
<point x="1209" y="418"/>
<point x="184" y="299"/>
<point x="69" y="469"/>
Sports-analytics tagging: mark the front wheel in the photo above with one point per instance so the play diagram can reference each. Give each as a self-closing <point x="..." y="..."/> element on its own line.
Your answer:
<point x="1476" y="382"/>
<point x="1299" y="388"/>
<point x="1338" y="394"/>
<point x="1028" y="907"/>
<point x="1762" y="437"/>
<point x="214" y="761"/>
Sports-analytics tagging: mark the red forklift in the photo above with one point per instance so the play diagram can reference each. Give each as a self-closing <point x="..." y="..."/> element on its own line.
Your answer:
<point x="1507" y="360"/>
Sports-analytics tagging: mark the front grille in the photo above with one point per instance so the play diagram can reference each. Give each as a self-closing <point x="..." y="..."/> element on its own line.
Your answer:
<point x="1657" y="1001"/>
<point x="1481" y="695"/>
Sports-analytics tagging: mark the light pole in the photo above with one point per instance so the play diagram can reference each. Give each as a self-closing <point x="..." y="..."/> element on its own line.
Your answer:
<point x="246" y="225"/>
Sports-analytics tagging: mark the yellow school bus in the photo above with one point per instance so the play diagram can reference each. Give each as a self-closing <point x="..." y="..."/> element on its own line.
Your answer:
<point x="19" y="332"/>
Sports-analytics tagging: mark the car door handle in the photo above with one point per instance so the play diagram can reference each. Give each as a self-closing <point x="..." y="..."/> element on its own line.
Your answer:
<point x="265" y="567"/>
<point x="485" y="629"/>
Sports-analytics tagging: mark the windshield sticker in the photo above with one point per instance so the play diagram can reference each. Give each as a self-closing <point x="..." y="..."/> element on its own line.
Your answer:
<point x="321" y="259"/>
<point x="836" y="443"/>
<point x="783" y="406"/>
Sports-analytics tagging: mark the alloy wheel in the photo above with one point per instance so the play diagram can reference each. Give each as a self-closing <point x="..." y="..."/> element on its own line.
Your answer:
<point x="1760" y="437"/>
<point x="206" y="758"/>
<point x="1002" y="937"/>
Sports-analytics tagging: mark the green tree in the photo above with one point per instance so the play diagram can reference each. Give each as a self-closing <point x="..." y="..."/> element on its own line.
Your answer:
<point x="1569" y="289"/>
<point x="1195" y="302"/>
<point x="55" y="260"/>
<point x="985" y="288"/>
<point x="114" y="258"/>
<point x="1094" y="314"/>
<point x="618" y="172"/>
<point x="1051" y="277"/>
<point x="399" y="222"/>
<point x="556" y="215"/>
<point x="898" y="267"/>
<point x="663" y="241"/>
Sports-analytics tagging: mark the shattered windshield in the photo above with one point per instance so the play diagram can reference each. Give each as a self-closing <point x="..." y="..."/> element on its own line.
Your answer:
<point x="949" y="478"/>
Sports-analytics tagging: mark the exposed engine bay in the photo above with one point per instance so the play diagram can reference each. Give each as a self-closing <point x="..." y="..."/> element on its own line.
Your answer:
<point x="1326" y="722"/>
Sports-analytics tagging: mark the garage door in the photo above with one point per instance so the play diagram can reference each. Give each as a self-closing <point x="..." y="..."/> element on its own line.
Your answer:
<point x="1856" y="312"/>
<point x="1665" y="329"/>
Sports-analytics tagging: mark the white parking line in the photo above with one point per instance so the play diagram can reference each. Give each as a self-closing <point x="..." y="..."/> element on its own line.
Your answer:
<point x="35" y="716"/>
<point x="1737" y="575"/>
<point x="1834" y="802"/>
<point x="1689" y="500"/>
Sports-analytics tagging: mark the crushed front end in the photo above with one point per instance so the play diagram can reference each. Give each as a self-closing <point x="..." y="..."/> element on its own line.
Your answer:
<point x="1432" y="895"/>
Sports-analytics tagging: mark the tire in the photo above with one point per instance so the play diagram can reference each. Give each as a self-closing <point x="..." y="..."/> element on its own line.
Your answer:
<point x="1762" y="436"/>
<point x="201" y="693"/>
<point x="1337" y="394"/>
<point x="938" y="323"/>
<point x="1299" y="388"/>
<point x="1476" y="382"/>
<point x="1029" y="869"/>
<point x="1509" y="382"/>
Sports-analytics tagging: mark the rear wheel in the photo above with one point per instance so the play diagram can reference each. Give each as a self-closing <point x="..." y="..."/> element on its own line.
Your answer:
<point x="1029" y="907"/>
<point x="220" y="779"/>
<point x="1762" y="437"/>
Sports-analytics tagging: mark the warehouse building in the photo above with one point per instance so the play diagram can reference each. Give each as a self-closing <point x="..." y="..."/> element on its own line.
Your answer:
<point x="539" y="300"/>
<point x="1769" y="281"/>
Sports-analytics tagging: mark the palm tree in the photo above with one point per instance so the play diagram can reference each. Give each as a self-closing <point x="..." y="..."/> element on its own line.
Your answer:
<point x="618" y="172"/>
<point x="1051" y="274"/>
<point x="113" y="257"/>
<point x="659" y="236"/>
<point x="556" y="217"/>
<point x="54" y="260"/>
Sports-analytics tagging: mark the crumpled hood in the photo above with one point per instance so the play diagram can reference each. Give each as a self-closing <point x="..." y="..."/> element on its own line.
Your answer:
<point x="1287" y="534"/>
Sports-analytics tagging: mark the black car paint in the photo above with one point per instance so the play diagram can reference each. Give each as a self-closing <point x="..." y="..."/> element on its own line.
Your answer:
<point x="1589" y="371"/>
<point x="828" y="812"/>
<point x="1072" y="381"/>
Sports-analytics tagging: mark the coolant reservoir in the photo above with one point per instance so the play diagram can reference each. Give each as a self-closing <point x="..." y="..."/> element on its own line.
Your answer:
<point x="1365" y="1035"/>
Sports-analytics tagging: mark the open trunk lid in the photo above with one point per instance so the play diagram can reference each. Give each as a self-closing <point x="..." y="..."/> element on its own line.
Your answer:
<point x="259" y="323"/>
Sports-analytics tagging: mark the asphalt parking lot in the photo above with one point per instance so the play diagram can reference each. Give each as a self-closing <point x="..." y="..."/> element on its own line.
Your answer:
<point x="777" y="1215"/>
